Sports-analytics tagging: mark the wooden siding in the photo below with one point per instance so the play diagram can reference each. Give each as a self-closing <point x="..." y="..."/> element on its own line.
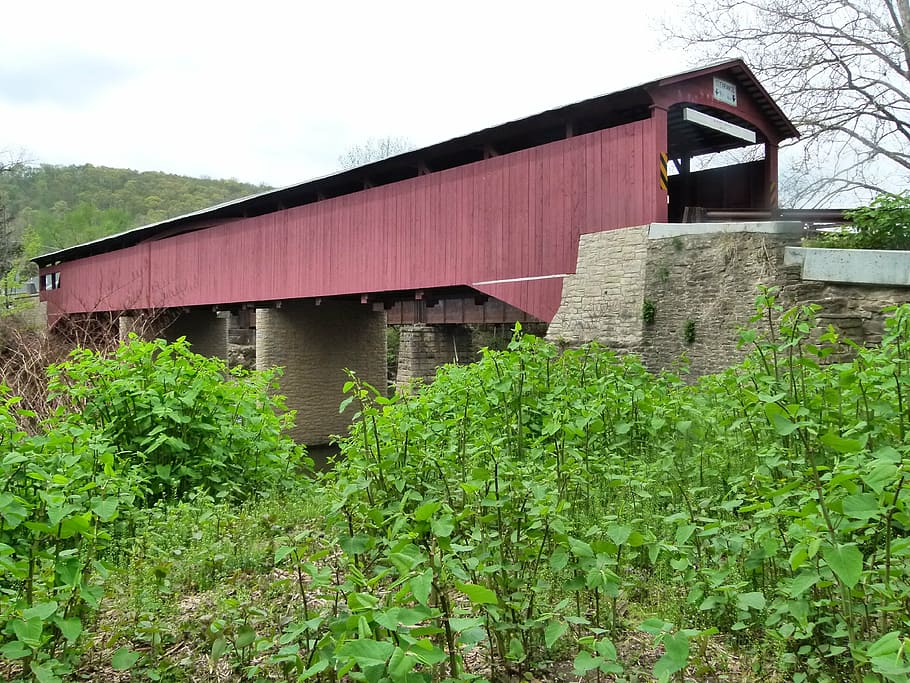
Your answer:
<point x="518" y="215"/>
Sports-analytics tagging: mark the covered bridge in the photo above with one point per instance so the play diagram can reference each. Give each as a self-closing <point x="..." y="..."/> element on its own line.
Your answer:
<point x="483" y="227"/>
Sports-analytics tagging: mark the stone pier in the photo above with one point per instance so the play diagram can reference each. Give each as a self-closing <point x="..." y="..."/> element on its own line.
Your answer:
<point x="423" y="348"/>
<point x="315" y="344"/>
<point x="204" y="329"/>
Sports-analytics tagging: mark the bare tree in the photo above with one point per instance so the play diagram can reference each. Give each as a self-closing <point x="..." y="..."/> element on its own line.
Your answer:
<point x="10" y="237"/>
<point x="839" y="68"/>
<point x="374" y="149"/>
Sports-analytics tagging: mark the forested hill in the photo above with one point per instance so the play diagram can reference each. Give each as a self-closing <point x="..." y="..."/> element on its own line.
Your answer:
<point x="53" y="207"/>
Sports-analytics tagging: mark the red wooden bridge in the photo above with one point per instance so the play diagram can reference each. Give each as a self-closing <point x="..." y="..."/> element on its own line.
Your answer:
<point x="482" y="228"/>
<point x="487" y="223"/>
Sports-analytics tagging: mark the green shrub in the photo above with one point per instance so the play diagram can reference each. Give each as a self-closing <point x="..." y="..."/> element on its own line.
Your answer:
<point x="884" y="224"/>
<point x="60" y="491"/>
<point x="182" y="420"/>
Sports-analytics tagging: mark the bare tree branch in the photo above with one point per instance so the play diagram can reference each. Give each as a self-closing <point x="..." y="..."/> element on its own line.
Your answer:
<point x="374" y="149"/>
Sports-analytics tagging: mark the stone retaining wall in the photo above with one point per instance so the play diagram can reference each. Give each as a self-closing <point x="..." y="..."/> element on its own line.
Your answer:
<point x="699" y="282"/>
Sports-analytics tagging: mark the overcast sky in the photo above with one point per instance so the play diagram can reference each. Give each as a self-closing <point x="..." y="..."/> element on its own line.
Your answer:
<point x="274" y="92"/>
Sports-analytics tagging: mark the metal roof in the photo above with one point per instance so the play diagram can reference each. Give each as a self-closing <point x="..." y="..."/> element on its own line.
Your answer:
<point x="604" y="111"/>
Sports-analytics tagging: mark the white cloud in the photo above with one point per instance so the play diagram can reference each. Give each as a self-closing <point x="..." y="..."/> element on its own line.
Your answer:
<point x="275" y="91"/>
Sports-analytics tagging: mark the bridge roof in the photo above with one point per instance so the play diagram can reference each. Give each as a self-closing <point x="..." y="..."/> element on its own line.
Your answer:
<point x="589" y="115"/>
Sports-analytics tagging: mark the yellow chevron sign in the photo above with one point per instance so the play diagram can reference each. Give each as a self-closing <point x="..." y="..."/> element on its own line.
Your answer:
<point x="662" y="171"/>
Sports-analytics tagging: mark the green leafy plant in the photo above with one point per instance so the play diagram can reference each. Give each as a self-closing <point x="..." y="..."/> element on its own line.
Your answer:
<point x="689" y="332"/>
<point x="883" y="224"/>
<point x="183" y="420"/>
<point x="648" y="312"/>
<point x="61" y="492"/>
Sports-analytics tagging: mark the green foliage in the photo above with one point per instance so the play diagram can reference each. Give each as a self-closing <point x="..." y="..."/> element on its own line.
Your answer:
<point x="648" y="312"/>
<point x="61" y="490"/>
<point x="534" y="507"/>
<point x="521" y="499"/>
<point x="66" y="205"/>
<point x="183" y="421"/>
<point x="884" y="224"/>
<point x="689" y="332"/>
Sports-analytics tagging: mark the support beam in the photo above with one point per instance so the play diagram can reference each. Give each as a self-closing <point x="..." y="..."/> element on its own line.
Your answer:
<point x="714" y="123"/>
<point x="659" y="191"/>
<point x="771" y="176"/>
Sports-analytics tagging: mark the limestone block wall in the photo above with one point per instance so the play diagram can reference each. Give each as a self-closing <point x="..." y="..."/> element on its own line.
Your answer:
<point x="855" y="310"/>
<point x="423" y="348"/>
<point x="700" y="278"/>
<point x="315" y="344"/>
<point x="852" y="287"/>
<point x="603" y="300"/>
<point x="702" y="288"/>
<point x="700" y="284"/>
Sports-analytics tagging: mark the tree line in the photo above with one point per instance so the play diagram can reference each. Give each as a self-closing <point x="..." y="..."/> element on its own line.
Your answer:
<point x="47" y="207"/>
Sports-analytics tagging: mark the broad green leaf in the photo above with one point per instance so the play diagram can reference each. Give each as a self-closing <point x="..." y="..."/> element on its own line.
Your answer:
<point x="421" y="585"/>
<point x="76" y="524"/>
<point x="400" y="664"/>
<point x="106" y="509"/>
<point x="246" y="636"/>
<point x="619" y="534"/>
<point x="478" y="595"/>
<point x="554" y="632"/>
<point x="580" y="548"/>
<point x="354" y="545"/>
<point x="802" y="583"/>
<point x="606" y="649"/>
<point x="15" y="649"/>
<point x="44" y="674"/>
<point x="861" y="506"/>
<point x="558" y="560"/>
<point x="12" y="511"/>
<point x="124" y="659"/>
<point x="282" y="552"/>
<point x="427" y="653"/>
<point x="425" y="511"/>
<point x="219" y="647"/>
<point x="29" y="631"/>
<point x="839" y="444"/>
<point x="683" y="533"/>
<point x="779" y="419"/>
<point x="367" y="652"/>
<point x="459" y="624"/>
<point x="880" y="476"/>
<point x="655" y="626"/>
<point x="443" y="526"/>
<point x="42" y="611"/>
<point x="70" y="628"/>
<point x="516" y="651"/>
<point x="675" y="657"/>
<point x="886" y="645"/>
<point x="318" y="667"/>
<point x="472" y="636"/>
<point x="755" y="600"/>
<point x="585" y="662"/>
<point x="846" y="561"/>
